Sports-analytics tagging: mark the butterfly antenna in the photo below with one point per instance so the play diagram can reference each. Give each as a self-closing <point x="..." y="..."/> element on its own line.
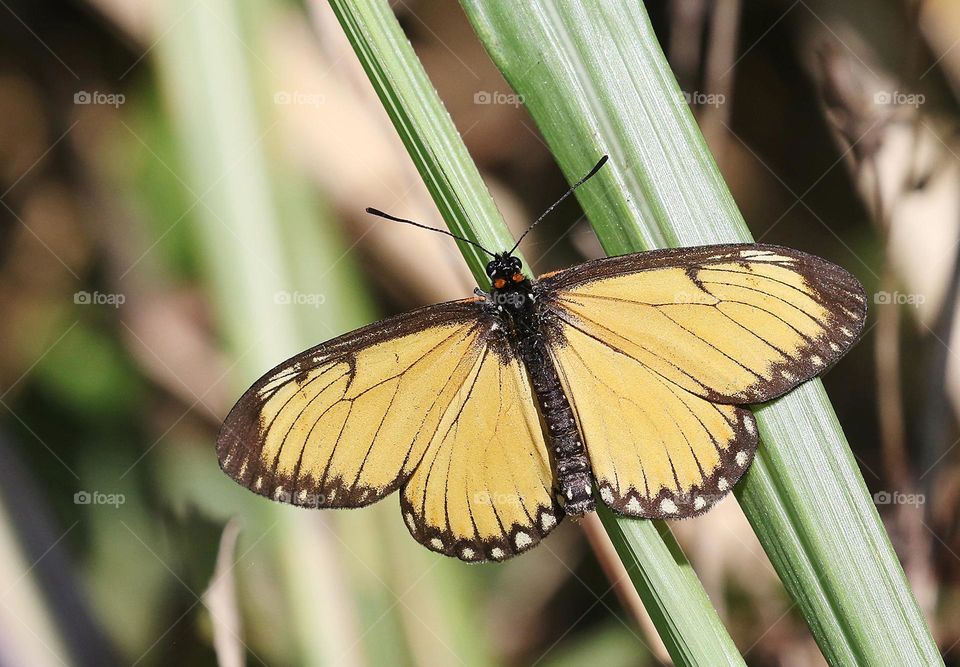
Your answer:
<point x="381" y="214"/>
<point x="566" y="194"/>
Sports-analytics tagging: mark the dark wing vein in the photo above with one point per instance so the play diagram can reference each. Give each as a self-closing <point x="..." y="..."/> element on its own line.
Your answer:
<point x="714" y="347"/>
<point x="774" y="296"/>
<point x="473" y="383"/>
<point x="616" y="349"/>
<point x="293" y="423"/>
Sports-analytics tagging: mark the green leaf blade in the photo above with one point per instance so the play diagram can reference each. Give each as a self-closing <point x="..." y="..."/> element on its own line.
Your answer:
<point x="676" y="600"/>
<point x="595" y="79"/>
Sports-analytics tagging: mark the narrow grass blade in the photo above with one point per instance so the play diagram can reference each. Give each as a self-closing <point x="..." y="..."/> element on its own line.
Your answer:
<point x="242" y="238"/>
<point x="674" y="596"/>
<point x="425" y="127"/>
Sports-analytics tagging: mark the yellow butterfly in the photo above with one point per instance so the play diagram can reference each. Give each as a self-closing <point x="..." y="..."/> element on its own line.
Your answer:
<point x="497" y="415"/>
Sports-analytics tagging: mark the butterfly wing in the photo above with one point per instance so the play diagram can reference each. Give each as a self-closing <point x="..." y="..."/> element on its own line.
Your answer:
<point x="349" y="421"/>
<point x="484" y="489"/>
<point x="657" y="351"/>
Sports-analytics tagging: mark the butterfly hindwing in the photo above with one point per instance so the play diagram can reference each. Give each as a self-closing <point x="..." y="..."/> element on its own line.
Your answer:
<point x="351" y="420"/>
<point x="673" y="341"/>
<point x="485" y="487"/>
<point x="657" y="450"/>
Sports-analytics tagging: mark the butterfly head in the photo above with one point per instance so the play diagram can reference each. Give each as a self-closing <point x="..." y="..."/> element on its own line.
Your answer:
<point x="504" y="270"/>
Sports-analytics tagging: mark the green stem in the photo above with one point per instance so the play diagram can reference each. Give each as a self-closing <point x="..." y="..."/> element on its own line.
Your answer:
<point x="676" y="600"/>
<point x="595" y="80"/>
<point x="425" y="128"/>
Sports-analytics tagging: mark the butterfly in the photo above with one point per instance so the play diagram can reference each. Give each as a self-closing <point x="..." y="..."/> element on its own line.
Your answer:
<point x="497" y="415"/>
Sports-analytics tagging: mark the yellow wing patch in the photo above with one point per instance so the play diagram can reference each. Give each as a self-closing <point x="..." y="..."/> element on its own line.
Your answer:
<point x="485" y="487"/>
<point x="732" y="324"/>
<point x="657" y="450"/>
<point x="344" y="424"/>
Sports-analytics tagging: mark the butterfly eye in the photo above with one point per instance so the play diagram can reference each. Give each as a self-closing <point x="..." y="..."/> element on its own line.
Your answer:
<point x="517" y="277"/>
<point x="500" y="283"/>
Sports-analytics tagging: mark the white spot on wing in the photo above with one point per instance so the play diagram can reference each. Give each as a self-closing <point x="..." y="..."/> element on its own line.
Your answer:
<point x="522" y="540"/>
<point x="634" y="506"/>
<point x="607" y="494"/>
<point x="259" y="483"/>
<point x="748" y="424"/>
<point x="742" y="458"/>
<point x="699" y="503"/>
<point x="667" y="506"/>
<point x="547" y="521"/>
<point x="410" y="522"/>
<point x="436" y="543"/>
<point x="467" y="553"/>
<point x="497" y="553"/>
<point x="723" y="484"/>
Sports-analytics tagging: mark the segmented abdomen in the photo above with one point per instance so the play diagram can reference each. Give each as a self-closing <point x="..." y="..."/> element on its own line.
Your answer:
<point x="574" y="476"/>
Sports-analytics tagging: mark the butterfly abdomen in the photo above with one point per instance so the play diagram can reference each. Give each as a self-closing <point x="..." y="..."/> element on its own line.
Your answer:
<point x="574" y="476"/>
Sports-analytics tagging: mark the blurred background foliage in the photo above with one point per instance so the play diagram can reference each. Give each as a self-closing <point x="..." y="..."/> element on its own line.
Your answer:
<point x="182" y="193"/>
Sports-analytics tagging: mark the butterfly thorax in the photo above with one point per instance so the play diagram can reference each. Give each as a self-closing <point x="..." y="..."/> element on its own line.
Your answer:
<point x="514" y="298"/>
